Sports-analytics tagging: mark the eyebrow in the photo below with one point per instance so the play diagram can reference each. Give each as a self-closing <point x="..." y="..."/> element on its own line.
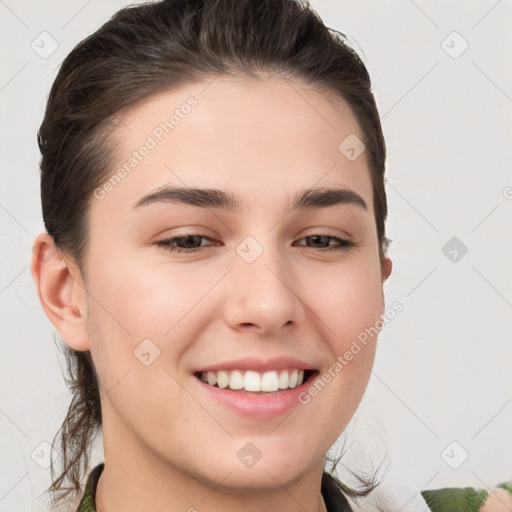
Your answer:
<point x="219" y="199"/>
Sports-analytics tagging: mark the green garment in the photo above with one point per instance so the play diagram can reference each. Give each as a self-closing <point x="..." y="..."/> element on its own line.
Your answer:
<point x="87" y="504"/>
<point x="455" y="499"/>
<point x="448" y="499"/>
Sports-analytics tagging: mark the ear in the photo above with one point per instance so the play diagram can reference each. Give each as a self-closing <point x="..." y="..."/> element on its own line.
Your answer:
<point x="386" y="267"/>
<point x="61" y="291"/>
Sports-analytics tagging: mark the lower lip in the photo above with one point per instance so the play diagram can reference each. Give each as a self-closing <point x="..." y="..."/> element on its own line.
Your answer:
<point x="262" y="406"/>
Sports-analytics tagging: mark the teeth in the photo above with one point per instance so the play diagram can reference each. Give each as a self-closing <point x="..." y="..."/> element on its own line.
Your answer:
<point x="222" y="379"/>
<point x="293" y="379"/>
<point x="254" y="381"/>
<point x="283" y="380"/>
<point x="269" y="381"/>
<point x="236" y="380"/>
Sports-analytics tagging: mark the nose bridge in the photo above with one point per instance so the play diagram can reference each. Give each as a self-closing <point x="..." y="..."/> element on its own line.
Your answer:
<point x="261" y="290"/>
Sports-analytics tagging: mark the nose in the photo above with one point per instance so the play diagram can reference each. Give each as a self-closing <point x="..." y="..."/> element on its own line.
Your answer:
<point x="263" y="295"/>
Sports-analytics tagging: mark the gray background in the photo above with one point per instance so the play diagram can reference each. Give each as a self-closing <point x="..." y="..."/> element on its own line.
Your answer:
<point x="441" y="386"/>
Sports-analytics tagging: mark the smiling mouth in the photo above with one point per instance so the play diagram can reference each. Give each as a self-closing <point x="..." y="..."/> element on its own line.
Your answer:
<point x="253" y="382"/>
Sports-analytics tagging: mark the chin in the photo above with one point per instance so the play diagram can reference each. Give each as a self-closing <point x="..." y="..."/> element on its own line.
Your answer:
<point x="260" y="477"/>
<point x="271" y="467"/>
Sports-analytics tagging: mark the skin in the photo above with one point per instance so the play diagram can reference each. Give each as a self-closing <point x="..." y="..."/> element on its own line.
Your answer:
<point x="499" y="500"/>
<point x="167" y="446"/>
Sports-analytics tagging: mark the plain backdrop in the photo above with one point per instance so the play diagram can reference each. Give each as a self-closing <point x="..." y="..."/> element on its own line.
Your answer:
<point x="438" y="408"/>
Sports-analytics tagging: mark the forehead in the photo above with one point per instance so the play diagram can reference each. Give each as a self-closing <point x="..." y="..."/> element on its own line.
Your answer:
<point x="261" y="139"/>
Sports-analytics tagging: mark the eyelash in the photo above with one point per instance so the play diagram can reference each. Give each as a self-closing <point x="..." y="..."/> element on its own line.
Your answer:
<point x="167" y="244"/>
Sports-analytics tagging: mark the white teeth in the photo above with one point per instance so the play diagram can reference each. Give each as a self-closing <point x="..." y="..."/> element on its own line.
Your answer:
<point x="283" y="380"/>
<point x="236" y="380"/>
<point x="222" y="379"/>
<point x="254" y="381"/>
<point x="293" y="379"/>
<point x="269" y="381"/>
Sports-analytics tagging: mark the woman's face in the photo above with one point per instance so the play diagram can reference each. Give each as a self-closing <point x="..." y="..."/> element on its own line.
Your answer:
<point x="260" y="280"/>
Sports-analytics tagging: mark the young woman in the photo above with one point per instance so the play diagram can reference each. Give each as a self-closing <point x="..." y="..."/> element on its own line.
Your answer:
<point x="212" y="183"/>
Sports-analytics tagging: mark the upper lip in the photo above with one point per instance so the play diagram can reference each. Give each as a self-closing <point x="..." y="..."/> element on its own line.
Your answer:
<point x="259" y="365"/>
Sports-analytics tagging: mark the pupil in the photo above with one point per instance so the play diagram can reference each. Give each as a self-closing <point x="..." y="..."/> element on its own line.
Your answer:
<point x="189" y="239"/>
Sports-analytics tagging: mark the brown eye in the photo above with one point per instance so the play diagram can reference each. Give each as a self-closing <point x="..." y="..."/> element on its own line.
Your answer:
<point x="183" y="243"/>
<point x="324" y="240"/>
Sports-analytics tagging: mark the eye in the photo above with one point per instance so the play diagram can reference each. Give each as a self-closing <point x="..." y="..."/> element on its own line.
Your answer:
<point x="340" y="243"/>
<point x="183" y="243"/>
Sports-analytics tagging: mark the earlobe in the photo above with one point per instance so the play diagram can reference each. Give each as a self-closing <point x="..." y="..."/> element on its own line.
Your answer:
<point x="61" y="294"/>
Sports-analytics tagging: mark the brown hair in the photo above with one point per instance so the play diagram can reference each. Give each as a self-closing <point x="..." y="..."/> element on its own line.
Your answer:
<point x="147" y="49"/>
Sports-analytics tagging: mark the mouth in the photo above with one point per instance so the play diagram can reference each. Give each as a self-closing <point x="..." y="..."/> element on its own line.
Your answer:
<point x="256" y="395"/>
<point x="257" y="383"/>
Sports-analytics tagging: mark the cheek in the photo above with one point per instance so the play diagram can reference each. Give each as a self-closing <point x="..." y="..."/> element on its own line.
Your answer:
<point x="143" y="309"/>
<point x="147" y="301"/>
<point x="349" y="303"/>
<point x="349" y="300"/>
<point x="133" y="312"/>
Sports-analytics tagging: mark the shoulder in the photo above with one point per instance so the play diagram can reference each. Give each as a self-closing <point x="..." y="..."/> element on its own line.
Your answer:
<point x="469" y="499"/>
<point x="448" y="499"/>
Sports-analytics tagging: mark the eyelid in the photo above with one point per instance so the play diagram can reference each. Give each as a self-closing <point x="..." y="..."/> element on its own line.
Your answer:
<point x="182" y="232"/>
